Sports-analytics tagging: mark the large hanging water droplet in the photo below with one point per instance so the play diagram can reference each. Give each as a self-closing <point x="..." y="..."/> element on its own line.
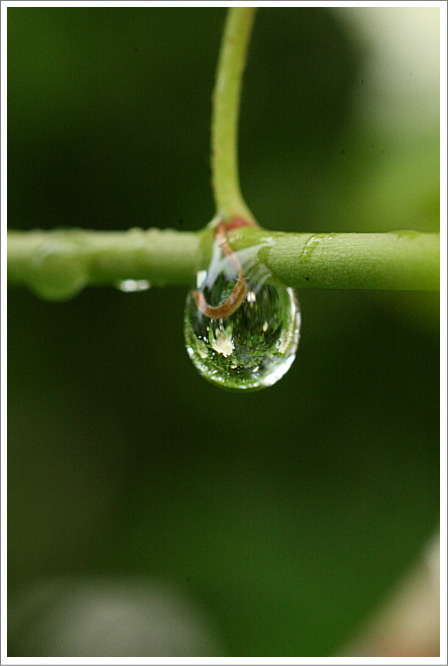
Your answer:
<point x="255" y="345"/>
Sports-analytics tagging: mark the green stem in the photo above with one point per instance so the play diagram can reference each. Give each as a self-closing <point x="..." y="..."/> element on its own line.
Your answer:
<point x="58" y="264"/>
<point x="226" y="98"/>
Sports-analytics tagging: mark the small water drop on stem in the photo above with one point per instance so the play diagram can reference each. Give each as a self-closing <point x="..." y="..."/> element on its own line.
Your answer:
<point x="129" y="286"/>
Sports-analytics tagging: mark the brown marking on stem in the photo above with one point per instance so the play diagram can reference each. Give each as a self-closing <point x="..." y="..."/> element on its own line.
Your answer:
<point x="237" y="222"/>
<point x="239" y="291"/>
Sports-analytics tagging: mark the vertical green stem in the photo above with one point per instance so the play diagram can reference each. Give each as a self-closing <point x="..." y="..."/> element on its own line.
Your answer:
<point x="226" y="97"/>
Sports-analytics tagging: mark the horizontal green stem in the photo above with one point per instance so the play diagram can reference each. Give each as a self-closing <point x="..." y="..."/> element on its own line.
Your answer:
<point x="58" y="264"/>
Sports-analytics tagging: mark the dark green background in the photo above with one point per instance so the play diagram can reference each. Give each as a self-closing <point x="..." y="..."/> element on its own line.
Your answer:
<point x="287" y="514"/>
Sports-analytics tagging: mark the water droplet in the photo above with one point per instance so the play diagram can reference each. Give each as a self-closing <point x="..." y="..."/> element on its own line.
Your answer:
<point x="57" y="273"/>
<point x="405" y="234"/>
<point x="253" y="346"/>
<point x="311" y="244"/>
<point x="133" y="285"/>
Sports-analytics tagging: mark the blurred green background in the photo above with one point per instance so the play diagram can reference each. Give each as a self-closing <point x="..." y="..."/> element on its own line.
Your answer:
<point x="285" y="516"/>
